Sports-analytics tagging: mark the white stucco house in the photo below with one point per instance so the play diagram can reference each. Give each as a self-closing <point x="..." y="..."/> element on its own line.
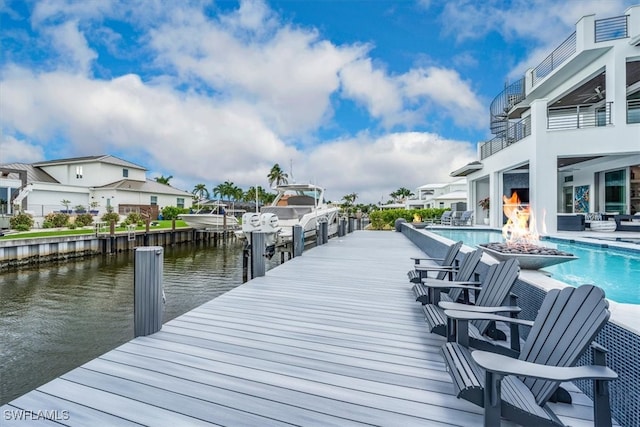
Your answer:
<point x="94" y="182"/>
<point x="567" y="134"/>
<point x="440" y="195"/>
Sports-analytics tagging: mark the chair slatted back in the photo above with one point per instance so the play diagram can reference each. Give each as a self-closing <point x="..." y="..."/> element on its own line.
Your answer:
<point x="449" y="258"/>
<point x="566" y="324"/>
<point x="496" y="287"/>
<point x="465" y="273"/>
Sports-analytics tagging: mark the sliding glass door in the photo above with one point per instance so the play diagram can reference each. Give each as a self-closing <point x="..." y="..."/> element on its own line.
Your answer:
<point x="615" y="191"/>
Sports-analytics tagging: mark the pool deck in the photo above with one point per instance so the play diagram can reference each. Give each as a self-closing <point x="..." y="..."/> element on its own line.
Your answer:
<point x="625" y="315"/>
<point x="333" y="337"/>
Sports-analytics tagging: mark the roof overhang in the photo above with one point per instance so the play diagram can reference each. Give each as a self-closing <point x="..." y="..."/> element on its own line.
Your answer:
<point x="467" y="169"/>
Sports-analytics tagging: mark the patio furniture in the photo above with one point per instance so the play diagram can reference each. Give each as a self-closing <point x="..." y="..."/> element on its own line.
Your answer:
<point x="446" y="266"/>
<point x="465" y="219"/>
<point x="493" y="292"/>
<point x="427" y="294"/>
<point x="519" y="389"/>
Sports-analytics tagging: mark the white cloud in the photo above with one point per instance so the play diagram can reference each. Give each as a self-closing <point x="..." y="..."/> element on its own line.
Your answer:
<point x="373" y="167"/>
<point x="72" y="47"/>
<point x="446" y="88"/>
<point x="13" y="150"/>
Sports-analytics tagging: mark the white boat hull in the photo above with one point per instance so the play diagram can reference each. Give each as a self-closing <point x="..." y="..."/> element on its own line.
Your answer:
<point x="212" y="221"/>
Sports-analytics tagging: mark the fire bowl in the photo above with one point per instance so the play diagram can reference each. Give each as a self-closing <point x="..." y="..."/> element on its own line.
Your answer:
<point x="533" y="258"/>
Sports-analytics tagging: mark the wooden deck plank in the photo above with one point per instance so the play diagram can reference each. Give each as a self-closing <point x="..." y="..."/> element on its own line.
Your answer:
<point x="330" y="338"/>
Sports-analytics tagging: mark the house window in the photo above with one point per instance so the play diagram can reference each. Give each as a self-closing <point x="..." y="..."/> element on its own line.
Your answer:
<point x="154" y="200"/>
<point x="78" y="172"/>
<point x="615" y="191"/>
<point x="125" y="173"/>
<point x="180" y="202"/>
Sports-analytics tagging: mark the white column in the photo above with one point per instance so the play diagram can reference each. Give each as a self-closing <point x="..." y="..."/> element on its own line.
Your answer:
<point x="543" y="171"/>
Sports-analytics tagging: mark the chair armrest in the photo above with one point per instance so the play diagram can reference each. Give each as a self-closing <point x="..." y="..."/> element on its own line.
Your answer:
<point x="505" y="365"/>
<point x="443" y="284"/>
<point x="470" y="315"/>
<point x="426" y="259"/>
<point x="448" y="305"/>
<point x="419" y="267"/>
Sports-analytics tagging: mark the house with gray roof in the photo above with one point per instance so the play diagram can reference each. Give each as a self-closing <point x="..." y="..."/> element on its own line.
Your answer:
<point x="97" y="183"/>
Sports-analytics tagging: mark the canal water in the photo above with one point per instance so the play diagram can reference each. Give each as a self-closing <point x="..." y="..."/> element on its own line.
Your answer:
<point x="54" y="318"/>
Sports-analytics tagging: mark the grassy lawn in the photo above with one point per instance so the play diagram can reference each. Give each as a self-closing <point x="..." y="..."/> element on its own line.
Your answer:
<point x="166" y="224"/>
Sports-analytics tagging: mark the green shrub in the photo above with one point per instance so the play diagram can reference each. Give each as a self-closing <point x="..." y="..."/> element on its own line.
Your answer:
<point x="72" y="226"/>
<point x="172" y="212"/>
<point x="134" y="219"/>
<point x="110" y="216"/>
<point x="83" y="219"/>
<point x="386" y="218"/>
<point x="56" y="219"/>
<point x="21" y="222"/>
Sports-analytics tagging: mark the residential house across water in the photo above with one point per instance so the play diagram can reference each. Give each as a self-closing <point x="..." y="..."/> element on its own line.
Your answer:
<point x="95" y="183"/>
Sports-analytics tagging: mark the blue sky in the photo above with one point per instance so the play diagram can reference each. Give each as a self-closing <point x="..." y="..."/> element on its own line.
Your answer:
<point x="361" y="96"/>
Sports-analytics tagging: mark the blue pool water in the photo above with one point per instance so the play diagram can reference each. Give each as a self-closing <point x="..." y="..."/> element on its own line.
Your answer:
<point x="615" y="271"/>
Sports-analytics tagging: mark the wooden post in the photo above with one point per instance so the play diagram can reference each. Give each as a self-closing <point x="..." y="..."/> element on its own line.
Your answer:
<point x="351" y="225"/>
<point x="324" y="232"/>
<point x="297" y="241"/>
<point x="112" y="236"/>
<point x="173" y="231"/>
<point x="258" y="267"/>
<point x="148" y="306"/>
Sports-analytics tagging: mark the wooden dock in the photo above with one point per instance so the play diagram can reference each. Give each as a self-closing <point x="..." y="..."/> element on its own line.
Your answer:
<point x="333" y="337"/>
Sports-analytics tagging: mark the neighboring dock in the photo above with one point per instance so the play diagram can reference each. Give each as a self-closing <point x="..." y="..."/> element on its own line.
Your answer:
<point x="333" y="337"/>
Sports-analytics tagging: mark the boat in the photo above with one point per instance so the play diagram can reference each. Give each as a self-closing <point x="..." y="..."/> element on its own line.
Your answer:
<point x="304" y="205"/>
<point x="211" y="214"/>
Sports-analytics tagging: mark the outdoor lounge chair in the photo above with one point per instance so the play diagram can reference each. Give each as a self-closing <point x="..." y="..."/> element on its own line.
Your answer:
<point x="519" y="389"/>
<point x="465" y="219"/>
<point x="445" y="218"/>
<point x="426" y="294"/>
<point x="446" y="266"/>
<point x="494" y="291"/>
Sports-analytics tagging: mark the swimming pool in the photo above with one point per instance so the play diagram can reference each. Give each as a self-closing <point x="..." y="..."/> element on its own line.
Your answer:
<point x="615" y="271"/>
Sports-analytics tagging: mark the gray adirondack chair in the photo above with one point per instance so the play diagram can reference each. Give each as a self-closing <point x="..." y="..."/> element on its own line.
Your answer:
<point x="445" y="218"/>
<point x="446" y="266"/>
<point x="519" y="389"/>
<point x="494" y="291"/>
<point x="465" y="218"/>
<point x="425" y="293"/>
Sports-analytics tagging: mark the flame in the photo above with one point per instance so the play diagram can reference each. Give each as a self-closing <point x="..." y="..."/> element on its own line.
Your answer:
<point x="521" y="225"/>
<point x="417" y="218"/>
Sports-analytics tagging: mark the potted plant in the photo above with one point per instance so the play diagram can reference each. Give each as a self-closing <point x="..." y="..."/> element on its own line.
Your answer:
<point x="66" y="204"/>
<point x="485" y="204"/>
<point x="94" y="208"/>
<point x="79" y="209"/>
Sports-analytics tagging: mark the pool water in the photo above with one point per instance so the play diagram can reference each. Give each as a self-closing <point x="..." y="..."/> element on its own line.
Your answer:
<point x="615" y="271"/>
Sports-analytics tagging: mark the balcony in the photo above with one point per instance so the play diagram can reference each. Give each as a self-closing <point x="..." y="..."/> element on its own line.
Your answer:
<point x="515" y="131"/>
<point x="579" y="116"/>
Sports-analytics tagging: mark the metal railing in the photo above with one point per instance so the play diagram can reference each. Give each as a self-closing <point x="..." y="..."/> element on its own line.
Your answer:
<point x="514" y="133"/>
<point x="611" y="28"/>
<point x="578" y="116"/>
<point x="502" y="104"/>
<point x="555" y="59"/>
<point x="633" y="111"/>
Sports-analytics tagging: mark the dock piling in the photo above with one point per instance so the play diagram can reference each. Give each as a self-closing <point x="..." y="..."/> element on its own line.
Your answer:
<point x="148" y="295"/>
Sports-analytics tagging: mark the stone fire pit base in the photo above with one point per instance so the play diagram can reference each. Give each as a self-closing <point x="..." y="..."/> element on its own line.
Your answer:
<point x="529" y="257"/>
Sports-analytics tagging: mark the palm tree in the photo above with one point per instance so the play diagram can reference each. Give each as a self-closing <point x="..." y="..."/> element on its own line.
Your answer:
<point x="277" y="175"/>
<point x="200" y="191"/>
<point x="164" y="180"/>
<point x="401" y="194"/>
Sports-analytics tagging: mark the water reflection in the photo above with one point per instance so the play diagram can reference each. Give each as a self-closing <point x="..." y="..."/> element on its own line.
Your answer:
<point x="54" y="318"/>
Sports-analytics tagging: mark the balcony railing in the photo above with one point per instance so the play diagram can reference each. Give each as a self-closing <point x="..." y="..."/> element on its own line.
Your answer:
<point x="514" y="133"/>
<point x="611" y="29"/>
<point x="578" y="116"/>
<point x="501" y="104"/>
<point x="553" y="61"/>
<point x="633" y="111"/>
